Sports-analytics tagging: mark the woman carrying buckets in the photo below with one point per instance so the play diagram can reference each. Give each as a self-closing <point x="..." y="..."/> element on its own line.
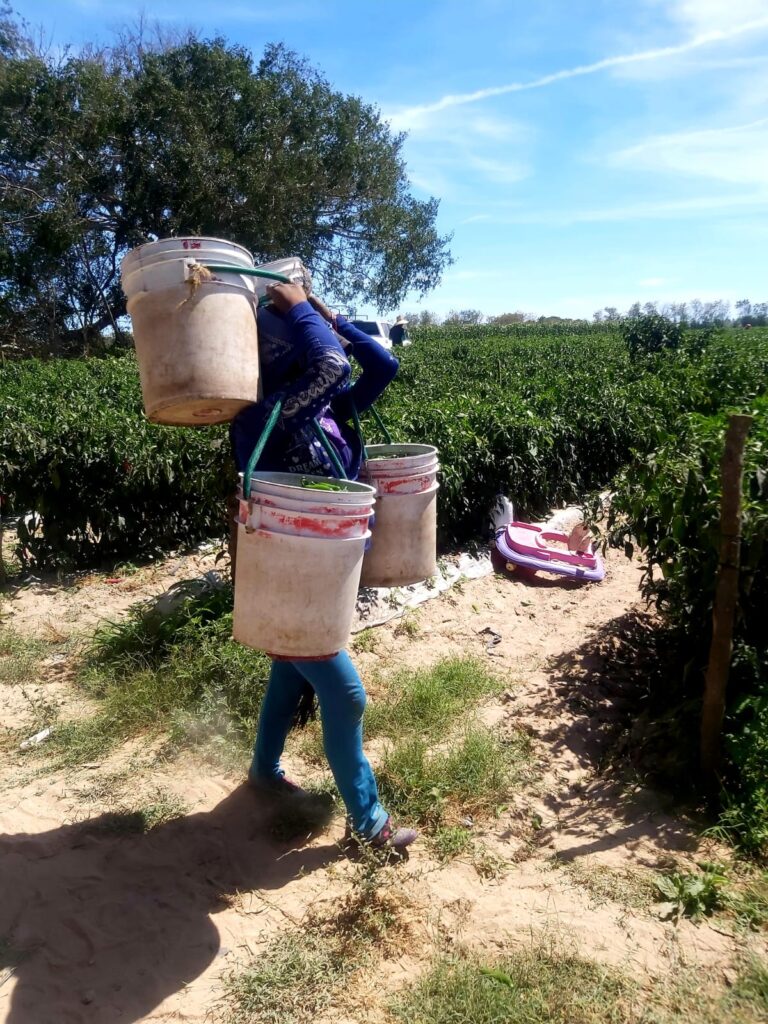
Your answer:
<point x="305" y="367"/>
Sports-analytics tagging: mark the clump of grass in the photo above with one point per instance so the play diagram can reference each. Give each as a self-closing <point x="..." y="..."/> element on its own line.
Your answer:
<point x="428" y="701"/>
<point x="153" y="629"/>
<point x="292" y="981"/>
<point x="530" y="987"/>
<point x="19" y="657"/>
<point x="435" y="789"/>
<point x="378" y="911"/>
<point x="450" y="841"/>
<point x="408" y="626"/>
<point x="748" y="901"/>
<point x="751" y="987"/>
<point x="161" y="807"/>
<point x="150" y="671"/>
<point x="307" y="812"/>
<point x="304" y="972"/>
<point x="487" y="863"/>
<point x="365" y="642"/>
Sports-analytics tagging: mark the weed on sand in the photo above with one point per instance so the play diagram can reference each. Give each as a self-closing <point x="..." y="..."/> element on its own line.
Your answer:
<point x="531" y="987"/>
<point x="428" y="701"/>
<point x="157" y="808"/>
<point x="634" y="889"/>
<point x="19" y="657"/>
<point x="159" y="663"/>
<point x="546" y="986"/>
<point x="304" y="972"/>
<point x="475" y="777"/>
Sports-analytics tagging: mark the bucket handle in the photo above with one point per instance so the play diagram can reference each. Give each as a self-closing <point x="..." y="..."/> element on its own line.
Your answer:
<point x="269" y="426"/>
<point x="270" y="275"/>
<point x="379" y="423"/>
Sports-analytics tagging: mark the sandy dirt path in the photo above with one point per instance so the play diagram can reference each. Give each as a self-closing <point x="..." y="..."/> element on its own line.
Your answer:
<point x="111" y="927"/>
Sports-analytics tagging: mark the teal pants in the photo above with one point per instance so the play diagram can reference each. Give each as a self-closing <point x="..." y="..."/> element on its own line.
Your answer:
<point x="342" y="701"/>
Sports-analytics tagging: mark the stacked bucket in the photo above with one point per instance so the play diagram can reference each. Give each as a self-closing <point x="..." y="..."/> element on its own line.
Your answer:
<point x="404" y="544"/>
<point x="300" y="550"/>
<point x="195" y="332"/>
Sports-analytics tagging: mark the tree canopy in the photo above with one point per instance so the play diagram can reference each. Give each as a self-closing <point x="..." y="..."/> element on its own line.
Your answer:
<point x="103" y="150"/>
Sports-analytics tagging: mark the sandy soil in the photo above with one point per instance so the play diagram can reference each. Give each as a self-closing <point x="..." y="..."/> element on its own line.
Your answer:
<point x="110" y="927"/>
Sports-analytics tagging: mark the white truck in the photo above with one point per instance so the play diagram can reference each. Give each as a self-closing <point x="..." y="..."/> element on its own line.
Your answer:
<point x="378" y="330"/>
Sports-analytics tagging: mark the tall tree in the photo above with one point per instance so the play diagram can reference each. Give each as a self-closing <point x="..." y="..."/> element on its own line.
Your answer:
<point x="100" y="151"/>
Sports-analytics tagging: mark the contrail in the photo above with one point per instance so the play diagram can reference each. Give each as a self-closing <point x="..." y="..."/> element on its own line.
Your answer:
<point x="407" y="117"/>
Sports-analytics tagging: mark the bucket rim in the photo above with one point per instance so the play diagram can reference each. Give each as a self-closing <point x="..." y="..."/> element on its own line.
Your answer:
<point x="425" y="470"/>
<point x="273" y="501"/>
<point x="134" y="252"/>
<point x="263" y="533"/>
<point x="432" y="489"/>
<point x="408" y="450"/>
<point x="347" y="486"/>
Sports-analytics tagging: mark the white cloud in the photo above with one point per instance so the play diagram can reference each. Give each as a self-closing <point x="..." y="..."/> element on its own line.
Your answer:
<point x="418" y="118"/>
<point x="701" y="16"/>
<point x="736" y="154"/>
<point x="663" y="210"/>
<point x="460" y="154"/>
<point x="652" y="282"/>
<point x="502" y="172"/>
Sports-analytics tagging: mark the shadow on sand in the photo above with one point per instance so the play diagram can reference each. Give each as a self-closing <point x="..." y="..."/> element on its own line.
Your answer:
<point x="105" y="926"/>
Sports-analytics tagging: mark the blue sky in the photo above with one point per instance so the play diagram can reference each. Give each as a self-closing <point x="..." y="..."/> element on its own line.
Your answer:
<point x="585" y="152"/>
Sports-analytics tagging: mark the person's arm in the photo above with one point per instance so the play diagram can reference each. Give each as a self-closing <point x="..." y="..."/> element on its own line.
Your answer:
<point x="326" y="373"/>
<point x="378" y="365"/>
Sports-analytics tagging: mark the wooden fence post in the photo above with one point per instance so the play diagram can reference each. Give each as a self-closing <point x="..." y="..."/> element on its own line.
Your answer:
<point x="726" y="598"/>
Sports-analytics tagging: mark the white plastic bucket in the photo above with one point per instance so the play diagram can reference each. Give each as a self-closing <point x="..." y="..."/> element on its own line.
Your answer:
<point x="384" y="458"/>
<point x="196" y="341"/>
<point x="295" y="596"/>
<point x="290" y="267"/>
<point x="320" y="506"/>
<point x="211" y="250"/>
<point x="288" y="485"/>
<point x="415" y="484"/>
<point x="305" y="523"/>
<point x="403" y="546"/>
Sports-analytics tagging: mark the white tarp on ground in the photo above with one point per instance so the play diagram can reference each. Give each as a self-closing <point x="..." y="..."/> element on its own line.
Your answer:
<point x="376" y="605"/>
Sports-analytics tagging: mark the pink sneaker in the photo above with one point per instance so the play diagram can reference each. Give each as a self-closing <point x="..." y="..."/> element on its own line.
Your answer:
<point x="389" y="840"/>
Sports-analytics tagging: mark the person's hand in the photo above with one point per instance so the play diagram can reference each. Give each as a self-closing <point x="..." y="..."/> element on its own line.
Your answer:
<point x="286" y="296"/>
<point x="320" y="307"/>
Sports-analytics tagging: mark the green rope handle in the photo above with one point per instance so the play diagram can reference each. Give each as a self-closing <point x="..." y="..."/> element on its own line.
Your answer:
<point x="269" y="426"/>
<point x="381" y="425"/>
<point x="228" y="268"/>
<point x="270" y="275"/>
<point x="330" y="451"/>
<point x="359" y="429"/>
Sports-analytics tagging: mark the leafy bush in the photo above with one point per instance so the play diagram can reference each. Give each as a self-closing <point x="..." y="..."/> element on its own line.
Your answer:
<point x="102" y="482"/>
<point x="542" y="414"/>
<point x="646" y="335"/>
<point x="667" y="503"/>
<point x="692" y="895"/>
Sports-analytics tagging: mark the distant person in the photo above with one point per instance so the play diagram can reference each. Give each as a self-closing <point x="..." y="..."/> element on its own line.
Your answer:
<point x="398" y="333"/>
